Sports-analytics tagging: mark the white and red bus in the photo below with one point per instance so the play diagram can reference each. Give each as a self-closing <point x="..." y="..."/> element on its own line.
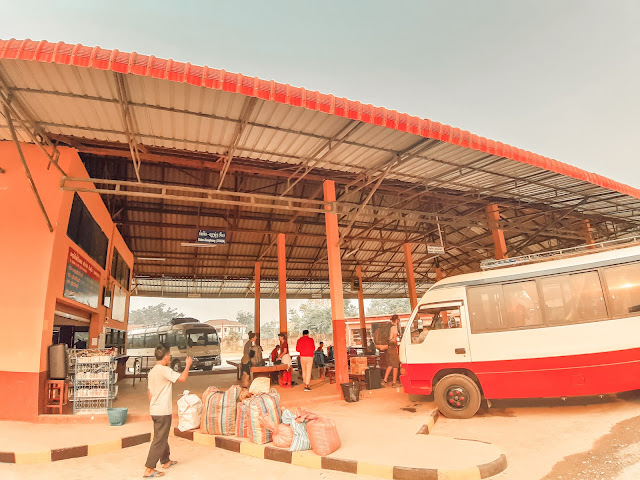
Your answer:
<point x="558" y="328"/>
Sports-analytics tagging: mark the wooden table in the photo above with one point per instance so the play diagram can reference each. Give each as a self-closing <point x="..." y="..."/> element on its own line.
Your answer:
<point x="266" y="371"/>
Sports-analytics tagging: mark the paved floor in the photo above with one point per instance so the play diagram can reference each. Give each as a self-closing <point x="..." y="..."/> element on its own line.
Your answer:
<point x="196" y="462"/>
<point x="589" y="438"/>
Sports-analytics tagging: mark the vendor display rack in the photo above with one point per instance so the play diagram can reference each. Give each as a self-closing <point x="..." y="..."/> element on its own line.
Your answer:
<point x="93" y="379"/>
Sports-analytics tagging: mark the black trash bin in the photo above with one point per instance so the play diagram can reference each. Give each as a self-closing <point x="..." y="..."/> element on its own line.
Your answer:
<point x="351" y="391"/>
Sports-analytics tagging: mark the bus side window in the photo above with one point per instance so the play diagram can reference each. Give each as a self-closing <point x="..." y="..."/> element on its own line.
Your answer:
<point x="136" y="341"/>
<point x="623" y="282"/>
<point x="171" y="339"/>
<point x="434" y="319"/>
<point x="573" y="298"/>
<point x="151" y="340"/>
<point x="162" y="338"/>
<point x="181" y="340"/>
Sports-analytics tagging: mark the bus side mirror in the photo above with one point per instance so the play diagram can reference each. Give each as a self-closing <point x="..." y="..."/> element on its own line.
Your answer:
<point x="420" y="324"/>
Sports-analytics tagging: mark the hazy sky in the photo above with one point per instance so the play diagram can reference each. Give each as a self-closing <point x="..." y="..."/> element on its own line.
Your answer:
<point x="559" y="78"/>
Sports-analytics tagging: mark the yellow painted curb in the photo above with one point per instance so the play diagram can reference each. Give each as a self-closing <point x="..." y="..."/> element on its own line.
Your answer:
<point x="203" y="439"/>
<point x="472" y="473"/>
<point x="306" y="459"/>
<point x="105" y="447"/>
<point x="252" y="449"/>
<point x="380" y="471"/>
<point x="33" y="457"/>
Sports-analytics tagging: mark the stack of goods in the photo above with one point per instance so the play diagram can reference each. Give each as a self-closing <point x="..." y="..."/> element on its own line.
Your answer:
<point x="358" y="365"/>
<point x="219" y="410"/>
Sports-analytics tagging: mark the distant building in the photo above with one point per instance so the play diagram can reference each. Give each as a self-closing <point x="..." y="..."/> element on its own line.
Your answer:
<point x="228" y="327"/>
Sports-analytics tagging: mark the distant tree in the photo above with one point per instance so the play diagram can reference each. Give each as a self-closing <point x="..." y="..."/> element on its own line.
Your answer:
<point x="246" y="319"/>
<point x="387" y="306"/>
<point x="154" y="314"/>
<point x="350" y="309"/>
<point x="269" y="330"/>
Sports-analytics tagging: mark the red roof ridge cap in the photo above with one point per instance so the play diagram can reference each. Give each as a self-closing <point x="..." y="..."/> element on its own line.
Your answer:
<point x="28" y="49"/>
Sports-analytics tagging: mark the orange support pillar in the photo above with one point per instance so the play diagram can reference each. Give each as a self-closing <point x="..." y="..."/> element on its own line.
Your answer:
<point x="439" y="275"/>
<point x="493" y="214"/>
<point x="282" y="282"/>
<point x="363" y="324"/>
<point x="588" y="237"/>
<point x="411" y="278"/>
<point x="256" y="316"/>
<point x="335" y="287"/>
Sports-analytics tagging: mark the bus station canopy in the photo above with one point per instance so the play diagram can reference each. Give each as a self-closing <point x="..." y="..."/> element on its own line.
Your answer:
<point x="175" y="148"/>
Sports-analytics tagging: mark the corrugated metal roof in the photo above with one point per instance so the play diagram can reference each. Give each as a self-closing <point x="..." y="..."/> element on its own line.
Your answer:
<point x="420" y="180"/>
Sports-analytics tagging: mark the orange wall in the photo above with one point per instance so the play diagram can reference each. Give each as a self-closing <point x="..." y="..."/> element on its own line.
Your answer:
<point x="32" y="269"/>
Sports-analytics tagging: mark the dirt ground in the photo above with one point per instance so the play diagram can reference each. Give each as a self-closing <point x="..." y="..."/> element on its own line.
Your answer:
<point x="588" y="438"/>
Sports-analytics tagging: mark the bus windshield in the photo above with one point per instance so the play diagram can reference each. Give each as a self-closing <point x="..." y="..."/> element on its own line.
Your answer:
<point x="201" y="338"/>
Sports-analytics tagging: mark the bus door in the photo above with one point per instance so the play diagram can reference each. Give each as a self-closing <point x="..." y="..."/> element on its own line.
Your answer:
<point x="437" y="334"/>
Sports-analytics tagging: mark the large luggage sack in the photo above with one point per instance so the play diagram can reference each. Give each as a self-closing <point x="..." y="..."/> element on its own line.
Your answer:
<point x="267" y="404"/>
<point x="219" y="411"/>
<point x="322" y="432"/>
<point x="381" y="333"/>
<point x="242" y="419"/>
<point x="281" y="434"/>
<point x="189" y="411"/>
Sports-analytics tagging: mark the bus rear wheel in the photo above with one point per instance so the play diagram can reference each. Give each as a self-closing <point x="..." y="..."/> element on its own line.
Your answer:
<point x="457" y="396"/>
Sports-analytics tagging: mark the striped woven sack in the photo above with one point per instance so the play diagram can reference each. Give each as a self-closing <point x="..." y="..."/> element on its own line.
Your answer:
<point x="242" y="419"/>
<point x="219" y="411"/>
<point x="300" y="437"/>
<point x="265" y="404"/>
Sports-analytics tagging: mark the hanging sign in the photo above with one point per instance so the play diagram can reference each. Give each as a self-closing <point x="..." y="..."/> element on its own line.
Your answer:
<point x="82" y="280"/>
<point x="212" y="237"/>
<point x="436" y="249"/>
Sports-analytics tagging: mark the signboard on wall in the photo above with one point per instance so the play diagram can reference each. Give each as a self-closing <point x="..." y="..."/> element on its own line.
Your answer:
<point x="212" y="237"/>
<point x="119" y="304"/>
<point x="82" y="280"/>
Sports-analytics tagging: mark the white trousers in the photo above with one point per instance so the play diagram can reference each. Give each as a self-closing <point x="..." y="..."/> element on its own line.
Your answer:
<point x="307" y="365"/>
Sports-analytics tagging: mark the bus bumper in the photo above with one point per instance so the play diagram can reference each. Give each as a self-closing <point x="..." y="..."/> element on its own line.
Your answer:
<point x="415" y="388"/>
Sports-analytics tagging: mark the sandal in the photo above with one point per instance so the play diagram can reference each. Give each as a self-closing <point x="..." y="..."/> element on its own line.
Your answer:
<point x="171" y="464"/>
<point x="155" y="473"/>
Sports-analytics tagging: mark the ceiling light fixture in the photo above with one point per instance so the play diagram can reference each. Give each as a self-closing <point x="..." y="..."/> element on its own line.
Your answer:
<point x="152" y="259"/>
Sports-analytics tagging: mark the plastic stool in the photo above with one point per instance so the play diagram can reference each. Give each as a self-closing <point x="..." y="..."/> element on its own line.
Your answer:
<point x="57" y="395"/>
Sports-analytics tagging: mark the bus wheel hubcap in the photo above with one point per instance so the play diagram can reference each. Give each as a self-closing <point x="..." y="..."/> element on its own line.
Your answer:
<point x="457" y="397"/>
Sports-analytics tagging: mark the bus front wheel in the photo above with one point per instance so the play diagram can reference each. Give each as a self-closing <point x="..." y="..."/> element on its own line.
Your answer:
<point x="175" y="365"/>
<point x="457" y="396"/>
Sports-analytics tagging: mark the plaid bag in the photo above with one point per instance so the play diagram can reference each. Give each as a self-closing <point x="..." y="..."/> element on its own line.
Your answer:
<point x="267" y="404"/>
<point x="219" y="411"/>
<point x="242" y="419"/>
